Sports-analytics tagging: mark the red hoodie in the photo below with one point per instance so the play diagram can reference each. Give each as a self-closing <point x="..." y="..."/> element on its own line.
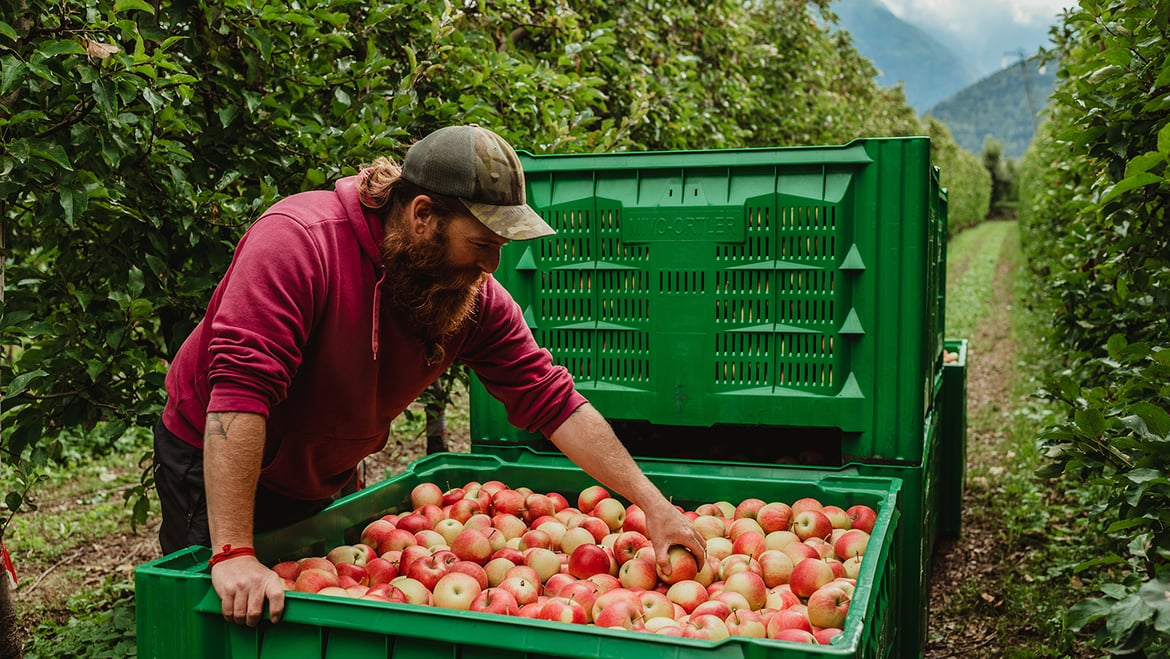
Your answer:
<point x="291" y="333"/>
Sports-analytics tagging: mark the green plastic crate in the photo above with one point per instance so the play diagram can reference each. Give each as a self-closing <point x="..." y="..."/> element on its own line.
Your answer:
<point x="179" y="614"/>
<point x="919" y="506"/>
<point x="797" y="287"/>
<point x="954" y="440"/>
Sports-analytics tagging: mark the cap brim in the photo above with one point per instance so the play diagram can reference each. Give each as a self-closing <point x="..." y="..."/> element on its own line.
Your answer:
<point x="511" y="222"/>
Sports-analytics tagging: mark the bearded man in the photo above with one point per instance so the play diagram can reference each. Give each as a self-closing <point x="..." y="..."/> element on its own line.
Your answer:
<point x="339" y="308"/>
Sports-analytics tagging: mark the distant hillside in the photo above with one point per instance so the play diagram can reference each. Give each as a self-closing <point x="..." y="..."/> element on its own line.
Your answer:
<point x="929" y="70"/>
<point x="998" y="105"/>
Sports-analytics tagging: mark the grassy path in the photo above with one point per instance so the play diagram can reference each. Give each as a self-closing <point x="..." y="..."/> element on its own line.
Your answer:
<point x="1001" y="588"/>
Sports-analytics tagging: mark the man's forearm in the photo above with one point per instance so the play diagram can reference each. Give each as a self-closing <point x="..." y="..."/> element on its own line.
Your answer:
<point x="587" y="439"/>
<point x="233" y="446"/>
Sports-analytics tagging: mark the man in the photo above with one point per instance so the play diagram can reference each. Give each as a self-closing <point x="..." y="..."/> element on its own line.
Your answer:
<point x="337" y="311"/>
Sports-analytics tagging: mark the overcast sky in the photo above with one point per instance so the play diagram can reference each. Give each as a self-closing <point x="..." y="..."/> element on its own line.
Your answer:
<point x="989" y="28"/>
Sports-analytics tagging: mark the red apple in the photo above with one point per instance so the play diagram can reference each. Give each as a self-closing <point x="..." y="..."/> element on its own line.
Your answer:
<point x="464" y="509"/>
<point x="794" y="636"/>
<point x="410" y="591"/>
<point x="825" y="636"/>
<point x="707" y="627"/>
<point x="523" y="589"/>
<point x="496" y="569"/>
<point x="534" y="538"/>
<point x="509" y="502"/>
<point x="495" y="600"/>
<point x="781" y="597"/>
<point x="839" y="518"/>
<point x="809" y="575"/>
<point x="774" y="516"/>
<point x="710" y="526"/>
<point x="807" y="503"/>
<point x="475" y="570"/>
<point x="638" y="574"/>
<point x="596" y="527"/>
<point x="635" y="520"/>
<point x="738" y="527"/>
<point x="545" y="562"/>
<point x="414" y="522"/>
<point x="621" y="614"/>
<point x="455" y="590"/>
<point x="561" y="609"/>
<point x="750" y="585"/>
<point x="811" y="524"/>
<point x="775" y="567"/>
<point x="451" y="495"/>
<point x="682" y="565"/>
<point x="627" y="544"/>
<point x="788" y="619"/>
<point x="828" y="606"/>
<point x="588" y="498"/>
<point x="748" y="508"/>
<point x="427" y="571"/>
<point x="744" y="622"/>
<point x="575" y="537"/>
<point x="749" y="543"/>
<point x="717" y="608"/>
<point x="286" y="569"/>
<point x="312" y="580"/>
<point x="611" y="511"/>
<point x="605" y="582"/>
<point x="538" y="505"/>
<point x="863" y="517"/>
<point x="588" y="560"/>
<point x="355" y="572"/>
<point x="687" y="594"/>
<point x="381" y="570"/>
<point x="425" y="493"/>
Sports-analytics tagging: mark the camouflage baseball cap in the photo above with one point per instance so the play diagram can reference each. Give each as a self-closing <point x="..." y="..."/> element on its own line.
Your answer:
<point x="483" y="171"/>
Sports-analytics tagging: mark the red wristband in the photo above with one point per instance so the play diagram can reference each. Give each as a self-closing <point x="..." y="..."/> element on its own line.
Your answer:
<point x="230" y="552"/>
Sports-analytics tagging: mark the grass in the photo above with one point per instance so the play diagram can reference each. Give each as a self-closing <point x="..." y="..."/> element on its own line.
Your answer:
<point x="1039" y="532"/>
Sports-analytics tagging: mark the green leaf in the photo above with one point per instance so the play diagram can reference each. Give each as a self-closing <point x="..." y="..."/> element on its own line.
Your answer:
<point x="1128" y="613"/>
<point x="1156" y="595"/>
<point x="7" y="30"/>
<point x="13" y="73"/>
<point x="20" y="383"/>
<point x="61" y="47"/>
<point x="1130" y="183"/>
<point x="1124" y="524"/>
<point x="13" y="500"/>
<point x="1145" y="162"/>
<point x="1164" y="139"/>
<point x="1090" y="421"/>
<point x="133" y="5"/>
<point x="1086" y="611"/>
<point x="54" y="153"/>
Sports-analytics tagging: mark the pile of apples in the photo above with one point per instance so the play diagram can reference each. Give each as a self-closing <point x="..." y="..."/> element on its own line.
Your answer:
<point x="773" y="570"/>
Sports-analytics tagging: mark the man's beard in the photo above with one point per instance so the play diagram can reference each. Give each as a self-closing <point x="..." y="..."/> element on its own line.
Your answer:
<point x="432" y="299"/>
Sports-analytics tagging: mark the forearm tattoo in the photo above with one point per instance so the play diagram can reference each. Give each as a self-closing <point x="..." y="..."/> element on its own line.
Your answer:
<point x="219" y="423"/>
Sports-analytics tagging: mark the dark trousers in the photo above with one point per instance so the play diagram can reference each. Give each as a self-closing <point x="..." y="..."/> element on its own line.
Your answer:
<point x="178" y="478"/>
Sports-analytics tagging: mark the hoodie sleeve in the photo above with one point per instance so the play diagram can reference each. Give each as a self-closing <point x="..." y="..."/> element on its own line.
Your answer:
<point x="537" y="394"/>
<point x="268" y="301"/>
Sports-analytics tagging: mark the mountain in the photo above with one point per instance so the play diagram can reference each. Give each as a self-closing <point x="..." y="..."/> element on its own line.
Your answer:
<point x="1004" y="105"/>
<point x="929" y="70"/>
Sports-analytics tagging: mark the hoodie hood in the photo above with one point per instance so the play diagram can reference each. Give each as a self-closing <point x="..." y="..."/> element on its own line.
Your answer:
<point x="370" y="230"/>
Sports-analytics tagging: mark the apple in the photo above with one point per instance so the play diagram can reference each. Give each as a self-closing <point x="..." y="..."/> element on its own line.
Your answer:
<point x="414" y="522"/>
<point x="736" y="563"/>
<point x="285" y="569"/>
<point x="794" y="636"/>
<point x="451" y="495"/>
<point x="575" y="537"/>
<point x="355" y="572"/>
<point x="588" y="560"/>
<point x="750" y="585"/>
<point x="544" y="561"/>
<point x="588" y="498"/>
<point x="605" y="598"/>
<point x="456" y="590"/>
<point x="508" y="501"/>
<point x="534" y="538"/>
<point x="738" y="527"/>
<point x="381" y="570"/>
<point x="719" y="548"/>
<point x="852" y="566"/>
<point x="411" y="591"/>
<point x="663" y="625"/>
<point x="494" y="600"/>
<point x="554" y="530"/>
<point x="627" y="544"/>
<point x="315" y="563"/>
<point x="809" y="575"/>
<point x="496" y="569"/>
<point x="789" y="618"/>
<point x="823" y="547"/>
<point x="851" y="543"/>
<point x="351" y="554"/>
<point x="525" y="571"/>
<point x="464" y="509"/>
<point x="638" y="574"/>
<point x="427" y="571"/>
<point x="837" y="515"/>
<point x="713" y="607"/>
<point x="775" y="567"/>
<point x="749" y="543"/>
<point x="583" y="591"/>
<point x="554" y="584"/>
<point x="375" y="532"/>
<point x="621" y="614"/>
<point x="682" y="565"/>
<point x="537" y="505"/>
<point x="655" y="605"/>
<point x="826" y="635"/>
<point x="748" y="508"/>
<point x="807" y="503"/>
<point x="561" y="609"/>
<point x="570" y="517"/>
<point x="480" y="521"/>
<point x="312" y="580"/>
<point x="780" y="539"/>
<point x="709" y="572"/>
<point x="432" y="512"/>
<point x="448" y="528"/>
<point x="559" y="501"/>
<point x="430" y="539"/>
<point x="799" y="551"/>
<point x="863" y="517"/>
<point x="687" y="594"/>
<point x="334" y="591"/>
<point x="469" y="568"/>
<point x="774" y="516"/>
<point x="781" y="597"/>
<point x="425" y="493"/>
<point x="530" y="610"/>
<point x="710" y="526"/>
<point x="744" y="622"/>
<point x="707" y="627"/>
<point x="828" y="606"/>
<point x="525" y="590"/>
<point x="811" y="524"/>
<point x="492" y="486"/>
<point x="611" y="511"/>
<point x="635" y="520"/>
<point x="596" y="527"/>
<point x="605" y="582"/>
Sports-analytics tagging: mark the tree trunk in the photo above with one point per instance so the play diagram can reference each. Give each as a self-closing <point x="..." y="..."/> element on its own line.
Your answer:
<point x="10" y="637"/>
<point x="436" y="427"/>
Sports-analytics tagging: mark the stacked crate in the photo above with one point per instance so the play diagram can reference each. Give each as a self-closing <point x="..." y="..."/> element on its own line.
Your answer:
<point x="751" y="306"/>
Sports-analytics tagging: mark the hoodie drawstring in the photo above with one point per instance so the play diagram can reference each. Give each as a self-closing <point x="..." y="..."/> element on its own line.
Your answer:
<point x="377" y="314"/>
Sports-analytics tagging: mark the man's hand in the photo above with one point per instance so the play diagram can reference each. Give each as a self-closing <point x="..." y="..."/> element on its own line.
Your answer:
<point x="667" y="526"/>
<point x="243" y="584"/>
